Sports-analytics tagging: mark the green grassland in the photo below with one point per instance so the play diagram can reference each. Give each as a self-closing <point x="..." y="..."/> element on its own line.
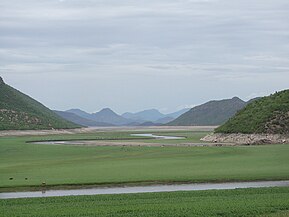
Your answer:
<point x="241" y="202"/>
<point x="30" y="164"/>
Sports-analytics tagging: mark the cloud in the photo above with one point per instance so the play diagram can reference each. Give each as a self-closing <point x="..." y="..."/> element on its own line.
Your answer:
<point x="189" y="44"/>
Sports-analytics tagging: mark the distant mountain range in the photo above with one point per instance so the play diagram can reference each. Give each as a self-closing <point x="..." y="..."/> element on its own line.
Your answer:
<point x="80" y="113"/>
<point x="147" y="115"/>
<point x="80" y="120"/>
<point x="211" y="113"/>
<point x="153" y="115"/>
<point x="20" y="112"/>
<point x="107" y="117"/>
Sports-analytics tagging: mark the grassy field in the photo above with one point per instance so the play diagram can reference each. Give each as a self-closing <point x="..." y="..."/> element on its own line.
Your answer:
<point x="30" y="164"/>
<point x="241" y="202"/>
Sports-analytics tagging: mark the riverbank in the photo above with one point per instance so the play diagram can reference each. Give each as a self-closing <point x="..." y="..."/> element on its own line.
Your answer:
<point x="249" y="139"/>
<point x="5" y="133"/>
<point x="108" y="185"/>
<point x="143" y="189"/>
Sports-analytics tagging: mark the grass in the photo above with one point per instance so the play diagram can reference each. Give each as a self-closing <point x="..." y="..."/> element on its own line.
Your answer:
<point x="75" y="165"/>
<point x="240" y="202"/>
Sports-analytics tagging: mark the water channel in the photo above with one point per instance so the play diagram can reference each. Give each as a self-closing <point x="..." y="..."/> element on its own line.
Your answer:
<point x="144" y="189"/>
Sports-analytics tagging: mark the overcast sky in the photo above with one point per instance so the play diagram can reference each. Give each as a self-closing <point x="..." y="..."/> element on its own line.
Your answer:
<point x="132" y="55"/>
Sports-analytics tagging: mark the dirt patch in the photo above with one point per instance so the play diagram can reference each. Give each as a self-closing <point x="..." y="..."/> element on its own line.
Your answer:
<point x="100" y="129"/>
<point x="249" y="139"/>
<point x="127" y="143"/>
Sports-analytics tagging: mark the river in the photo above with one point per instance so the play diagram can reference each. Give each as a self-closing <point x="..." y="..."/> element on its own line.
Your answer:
<point x="144" y="189"/>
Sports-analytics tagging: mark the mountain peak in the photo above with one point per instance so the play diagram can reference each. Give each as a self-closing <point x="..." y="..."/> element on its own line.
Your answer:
<point x="236" y="98"/>
<point x="106" y="110"/>
<point x="212" y="113"/>
<point x="106" y="115"/>
<point x="151" y="111"/>
<point x="76" y="110"/>
<point x="1" y="80"/>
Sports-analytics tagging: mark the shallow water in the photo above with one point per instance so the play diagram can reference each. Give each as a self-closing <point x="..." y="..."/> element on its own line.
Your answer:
<point x="82" y="142"/>
<point x="144" y="189"/>
<point x="60" y="143"/>
<point x="157" y="137"/>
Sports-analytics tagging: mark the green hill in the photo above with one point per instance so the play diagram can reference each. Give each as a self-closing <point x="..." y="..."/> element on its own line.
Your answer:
<point x="20" y="112"/>
<point x="266" y="115"/>
<point x="210" y="114"/>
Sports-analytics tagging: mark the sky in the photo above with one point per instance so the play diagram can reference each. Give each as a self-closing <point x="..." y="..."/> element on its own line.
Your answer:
<point x="132" y="55"/>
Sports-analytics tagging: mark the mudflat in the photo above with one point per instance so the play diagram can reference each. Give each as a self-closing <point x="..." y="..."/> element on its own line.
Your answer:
<point x="102" y="129"/>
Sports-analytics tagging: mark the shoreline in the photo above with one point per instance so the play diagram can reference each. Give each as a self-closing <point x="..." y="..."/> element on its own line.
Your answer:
<point x="7" y="133"/>
<point x="144" y="189"/>
<point x="247" y="139"/>
<point x="33" y="188"/>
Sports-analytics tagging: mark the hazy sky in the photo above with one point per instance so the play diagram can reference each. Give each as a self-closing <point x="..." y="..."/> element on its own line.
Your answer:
<point x="137" y="54"/>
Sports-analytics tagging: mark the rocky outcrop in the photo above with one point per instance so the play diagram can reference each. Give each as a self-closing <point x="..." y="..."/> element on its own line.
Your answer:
<point x="249" y="139"/>
<point x="279" y="123"/>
